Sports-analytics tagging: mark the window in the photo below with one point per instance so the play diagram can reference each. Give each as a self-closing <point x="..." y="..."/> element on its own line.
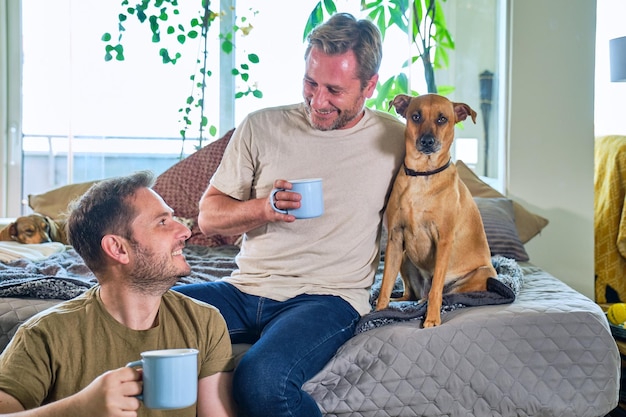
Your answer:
<point x="84" y="118"/>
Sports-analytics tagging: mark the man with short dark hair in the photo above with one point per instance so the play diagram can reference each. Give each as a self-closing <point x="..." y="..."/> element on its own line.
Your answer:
<point x="69" y="360"/>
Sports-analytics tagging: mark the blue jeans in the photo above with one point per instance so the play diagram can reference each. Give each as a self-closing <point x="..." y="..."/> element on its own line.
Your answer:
<point x="292" y="341"/>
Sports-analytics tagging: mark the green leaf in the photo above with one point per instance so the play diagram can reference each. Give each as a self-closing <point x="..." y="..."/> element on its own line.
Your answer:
<point x="227" y="46"/>
<point x="181" y="39"/>
<point x="445" y="90"/>
<point x="204" y="121"/>
<point x="402" y="83"/>
<point x="170" y="30"/>
<point x="193" y="34"/>
<point x="122" y="17"/>
<point x="257" y="94"/>
<point x="106" y="37"/>
<point x="254" y="58"/>
<point x="213" y="130"/>
<point x="120" y="52"/>
<point x="398" y="18"/>
<point x="141" y="15"/>
<point x="330" y="6"/>
<point x="245" y="67"/>
<point x="245" y="76"/>
<point x="315" y="18"/>
<point x="165" y="55"/>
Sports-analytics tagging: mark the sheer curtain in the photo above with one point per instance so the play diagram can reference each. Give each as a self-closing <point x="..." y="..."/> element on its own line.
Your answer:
<point x="10" y="109"/>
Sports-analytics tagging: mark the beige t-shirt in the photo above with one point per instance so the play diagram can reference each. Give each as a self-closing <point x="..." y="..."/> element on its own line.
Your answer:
<point x="337" y="253"/>
<point x="62" y="350"/>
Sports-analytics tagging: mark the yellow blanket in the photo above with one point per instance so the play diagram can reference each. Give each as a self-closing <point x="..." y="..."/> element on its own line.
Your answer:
<point x="610" y="219"/>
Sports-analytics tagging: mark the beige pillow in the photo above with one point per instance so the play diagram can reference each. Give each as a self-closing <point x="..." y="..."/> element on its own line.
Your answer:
<point x="54" y="202"/>
<point x="528" y="224"/>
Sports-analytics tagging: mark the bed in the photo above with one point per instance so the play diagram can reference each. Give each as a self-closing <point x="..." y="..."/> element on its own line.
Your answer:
<point x="530" y="346"/>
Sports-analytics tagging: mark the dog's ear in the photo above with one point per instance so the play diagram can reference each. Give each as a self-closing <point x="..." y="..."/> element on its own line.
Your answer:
<point x="45" y="224"/>
<point x="462" y="110"/>
<point x="53" y="229"/>
<point x="400" y="102"/>
<point x="13" y="230"/>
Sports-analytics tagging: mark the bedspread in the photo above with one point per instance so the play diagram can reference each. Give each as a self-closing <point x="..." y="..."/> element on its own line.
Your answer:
<point x="550" y="352"/>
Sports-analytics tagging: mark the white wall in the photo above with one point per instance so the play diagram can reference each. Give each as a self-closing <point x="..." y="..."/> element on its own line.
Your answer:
<point x="551" y="130"/>
<point x="609" y="97"/>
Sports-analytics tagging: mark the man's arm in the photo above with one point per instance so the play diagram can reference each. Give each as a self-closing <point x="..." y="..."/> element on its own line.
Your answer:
<point x="222" y="214"/>
<point x="109" y="395"/>
<point x="215" y="397"/>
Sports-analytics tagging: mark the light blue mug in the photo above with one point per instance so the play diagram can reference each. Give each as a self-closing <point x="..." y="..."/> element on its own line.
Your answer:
<point x="170" y="378"/>
<point x="312" y="202"/>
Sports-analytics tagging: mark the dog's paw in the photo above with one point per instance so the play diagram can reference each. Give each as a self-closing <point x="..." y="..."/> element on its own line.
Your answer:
<point x="381" y="305"/>
<point x="432" y="322"/>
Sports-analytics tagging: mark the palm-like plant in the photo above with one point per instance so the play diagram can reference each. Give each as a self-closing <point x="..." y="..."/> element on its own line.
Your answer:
<point x="423" y="22"/>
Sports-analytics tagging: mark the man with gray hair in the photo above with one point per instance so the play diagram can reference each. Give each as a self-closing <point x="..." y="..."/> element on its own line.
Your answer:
<point x="302" y="285"/>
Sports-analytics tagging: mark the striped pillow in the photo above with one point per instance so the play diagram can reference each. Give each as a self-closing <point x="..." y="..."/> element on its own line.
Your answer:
<point x="499" y="222"/>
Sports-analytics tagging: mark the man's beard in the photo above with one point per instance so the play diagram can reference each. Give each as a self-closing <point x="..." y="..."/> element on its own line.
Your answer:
<point x="343" y="116"/>
<point x="153" y="275"/>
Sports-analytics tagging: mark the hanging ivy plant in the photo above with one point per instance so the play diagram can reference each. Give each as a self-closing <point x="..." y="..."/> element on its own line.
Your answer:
<point x="163" y="17"/>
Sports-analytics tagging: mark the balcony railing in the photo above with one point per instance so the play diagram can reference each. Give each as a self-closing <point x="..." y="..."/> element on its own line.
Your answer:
<point x="51" y="161"/>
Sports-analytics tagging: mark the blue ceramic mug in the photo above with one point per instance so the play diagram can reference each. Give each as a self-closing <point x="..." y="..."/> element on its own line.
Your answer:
<point x="312" y="202"/>
<point x="170" y="378"/>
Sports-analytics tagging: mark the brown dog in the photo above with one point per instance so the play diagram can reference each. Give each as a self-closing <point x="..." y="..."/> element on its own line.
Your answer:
<point x="34" y="228"/>
<point x="436" y="236"/>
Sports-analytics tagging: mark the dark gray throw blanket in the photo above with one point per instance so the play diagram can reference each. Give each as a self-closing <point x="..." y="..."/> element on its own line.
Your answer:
<point x="500" y="290"/>
<point x="64" y="275"/>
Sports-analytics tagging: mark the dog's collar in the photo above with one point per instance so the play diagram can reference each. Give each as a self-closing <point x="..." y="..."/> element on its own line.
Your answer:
<point x="410" y="172"/>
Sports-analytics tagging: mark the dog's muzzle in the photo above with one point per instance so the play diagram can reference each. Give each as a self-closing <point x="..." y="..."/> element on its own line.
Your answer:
<point x="428" y="144"/>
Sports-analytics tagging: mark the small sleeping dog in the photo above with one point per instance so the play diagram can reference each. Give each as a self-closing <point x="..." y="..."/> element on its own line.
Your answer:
<point x="34" y="228"/>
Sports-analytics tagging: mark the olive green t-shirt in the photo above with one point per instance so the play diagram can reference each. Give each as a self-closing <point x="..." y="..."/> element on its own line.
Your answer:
<point x="63" y="349"/>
